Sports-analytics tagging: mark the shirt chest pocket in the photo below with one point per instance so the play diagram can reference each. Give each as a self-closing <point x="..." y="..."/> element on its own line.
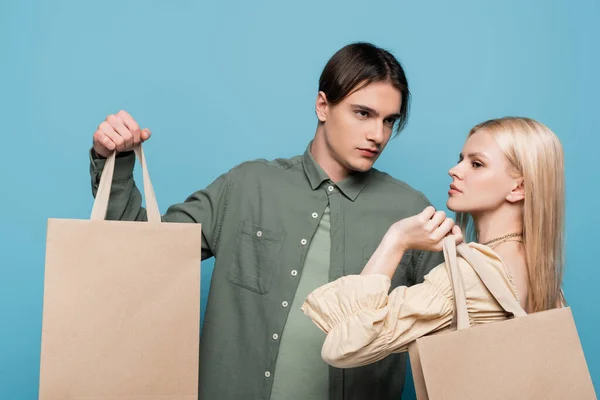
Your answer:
<point x="254" y="257"/>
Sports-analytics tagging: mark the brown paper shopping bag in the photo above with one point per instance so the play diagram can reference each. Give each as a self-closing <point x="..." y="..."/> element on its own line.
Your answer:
<point x="531" y="357"/>
<point x="121" y="314"/>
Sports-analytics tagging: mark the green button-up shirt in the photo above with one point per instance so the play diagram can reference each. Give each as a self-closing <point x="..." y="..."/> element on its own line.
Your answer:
<point x="257" y="220"/>
<point x="299" y="368"/>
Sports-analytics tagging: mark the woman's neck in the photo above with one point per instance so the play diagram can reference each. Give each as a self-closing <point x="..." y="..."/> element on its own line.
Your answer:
<point x="500" y="222"/>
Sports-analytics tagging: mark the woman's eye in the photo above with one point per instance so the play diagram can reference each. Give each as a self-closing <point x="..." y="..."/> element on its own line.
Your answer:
<point x="476" y="164"/>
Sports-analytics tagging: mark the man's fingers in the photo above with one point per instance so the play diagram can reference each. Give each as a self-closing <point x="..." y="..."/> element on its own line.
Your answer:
<point x="122" y="130"/>
<point x="145" y="134"/>
<point x="130" y="123"/>
<point x="110" y="133"/>
<point x="102" y="144"/>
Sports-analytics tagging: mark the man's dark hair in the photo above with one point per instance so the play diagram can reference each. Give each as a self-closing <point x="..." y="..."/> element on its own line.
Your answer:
<point x="357" y="65"/>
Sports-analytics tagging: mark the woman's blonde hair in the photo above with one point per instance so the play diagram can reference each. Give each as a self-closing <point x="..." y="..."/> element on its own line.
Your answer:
<point x="536" y="155"/>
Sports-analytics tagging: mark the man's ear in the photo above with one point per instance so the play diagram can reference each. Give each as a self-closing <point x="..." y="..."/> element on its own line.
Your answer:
<point x="321" y="106"/>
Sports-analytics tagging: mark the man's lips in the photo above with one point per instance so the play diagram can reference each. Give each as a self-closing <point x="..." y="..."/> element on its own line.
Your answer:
<point x="368" y="152"/>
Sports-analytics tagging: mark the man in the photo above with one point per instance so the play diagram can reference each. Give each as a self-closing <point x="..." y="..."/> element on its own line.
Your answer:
<point x="279" y="229"/>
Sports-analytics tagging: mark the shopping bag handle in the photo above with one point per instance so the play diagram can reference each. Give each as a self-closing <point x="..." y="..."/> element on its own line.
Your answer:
<point x="103" y="193"/>
<point x="501" y="293"/>
<point x="461" y="316"/>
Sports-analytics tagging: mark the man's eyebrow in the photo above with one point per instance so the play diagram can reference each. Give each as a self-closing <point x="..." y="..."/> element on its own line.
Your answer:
<point x="374" y="112"/>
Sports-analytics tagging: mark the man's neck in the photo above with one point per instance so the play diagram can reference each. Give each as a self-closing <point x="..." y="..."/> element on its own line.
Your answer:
<point x="326" y="159"/>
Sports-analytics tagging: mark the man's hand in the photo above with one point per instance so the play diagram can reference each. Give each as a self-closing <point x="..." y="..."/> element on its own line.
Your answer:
<point x="118" y="132"/>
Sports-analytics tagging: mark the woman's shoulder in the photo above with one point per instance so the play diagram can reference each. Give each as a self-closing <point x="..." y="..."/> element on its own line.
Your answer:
<point x="491" y="260"/>
<point x="482" y="254"/>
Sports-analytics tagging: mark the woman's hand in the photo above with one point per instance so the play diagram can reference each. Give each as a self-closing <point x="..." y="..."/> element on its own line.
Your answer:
<point x="424" y="231"/>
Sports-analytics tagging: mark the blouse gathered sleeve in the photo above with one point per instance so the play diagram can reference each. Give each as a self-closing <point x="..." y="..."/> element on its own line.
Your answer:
<point x="365" y="324"/>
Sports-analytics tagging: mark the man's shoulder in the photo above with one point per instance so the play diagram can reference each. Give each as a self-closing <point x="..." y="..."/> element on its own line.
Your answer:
<point x="263" y="164"/>
<point x="383" y="181"/>
<point x="262" y="167"/>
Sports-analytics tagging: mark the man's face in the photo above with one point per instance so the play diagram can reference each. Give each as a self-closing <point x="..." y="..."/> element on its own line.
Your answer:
<point x="357" y="129"/>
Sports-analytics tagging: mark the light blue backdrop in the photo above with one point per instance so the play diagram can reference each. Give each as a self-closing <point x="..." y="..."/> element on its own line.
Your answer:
<point x="223" y="82"/>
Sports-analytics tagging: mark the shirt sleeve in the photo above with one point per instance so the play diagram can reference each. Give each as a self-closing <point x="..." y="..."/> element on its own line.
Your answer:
<point x="206" y="206"/>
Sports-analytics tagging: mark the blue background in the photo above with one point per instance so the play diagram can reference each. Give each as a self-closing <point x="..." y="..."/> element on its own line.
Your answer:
<point x="219" y="83"/>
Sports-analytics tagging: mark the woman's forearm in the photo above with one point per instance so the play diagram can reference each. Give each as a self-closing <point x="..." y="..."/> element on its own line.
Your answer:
<point x="386" y="258"/>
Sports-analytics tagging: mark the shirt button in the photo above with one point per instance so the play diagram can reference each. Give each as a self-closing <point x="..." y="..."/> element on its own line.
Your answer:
<point x="315" y="215"/>
<point x="330" y="188"/>
<point x="259" y="233"/>
<point x="303" y="241"/>
<point x="284" y="304"/>
<point x="267" y="374"/>
<point x="275" y="336"/>
<point x="294" y="273"/>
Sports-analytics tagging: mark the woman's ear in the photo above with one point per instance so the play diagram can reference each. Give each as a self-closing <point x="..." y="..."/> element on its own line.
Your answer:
<point x="518" y="192"/>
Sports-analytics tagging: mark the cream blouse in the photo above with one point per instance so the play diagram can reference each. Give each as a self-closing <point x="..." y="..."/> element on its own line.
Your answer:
<point x="364" y="323"/>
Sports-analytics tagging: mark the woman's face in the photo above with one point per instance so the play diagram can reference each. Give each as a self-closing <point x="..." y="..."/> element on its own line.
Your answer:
<point x="484" y="179"/>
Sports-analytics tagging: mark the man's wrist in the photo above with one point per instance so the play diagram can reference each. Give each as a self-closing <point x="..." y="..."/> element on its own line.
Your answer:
<point x="97" y="156"/>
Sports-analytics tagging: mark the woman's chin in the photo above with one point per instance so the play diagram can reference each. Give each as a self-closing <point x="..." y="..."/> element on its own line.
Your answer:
<point x="452" y="205"/>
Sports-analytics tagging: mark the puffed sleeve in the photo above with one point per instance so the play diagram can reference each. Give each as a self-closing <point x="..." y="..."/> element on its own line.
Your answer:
<point x="364" y="324"/>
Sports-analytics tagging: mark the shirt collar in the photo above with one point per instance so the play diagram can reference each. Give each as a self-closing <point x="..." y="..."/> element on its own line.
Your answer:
<point x="350" y="187"/>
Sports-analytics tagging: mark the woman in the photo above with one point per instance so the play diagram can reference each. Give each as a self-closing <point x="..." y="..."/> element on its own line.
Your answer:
<point x="508" y="193"/>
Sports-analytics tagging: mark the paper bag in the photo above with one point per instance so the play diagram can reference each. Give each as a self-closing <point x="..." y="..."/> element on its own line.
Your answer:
<point x="533" y="357"/>
<point x="121" y="313"/>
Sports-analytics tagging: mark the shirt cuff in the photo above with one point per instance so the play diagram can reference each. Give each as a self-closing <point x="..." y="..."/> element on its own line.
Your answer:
<point x="124" y="165"/>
